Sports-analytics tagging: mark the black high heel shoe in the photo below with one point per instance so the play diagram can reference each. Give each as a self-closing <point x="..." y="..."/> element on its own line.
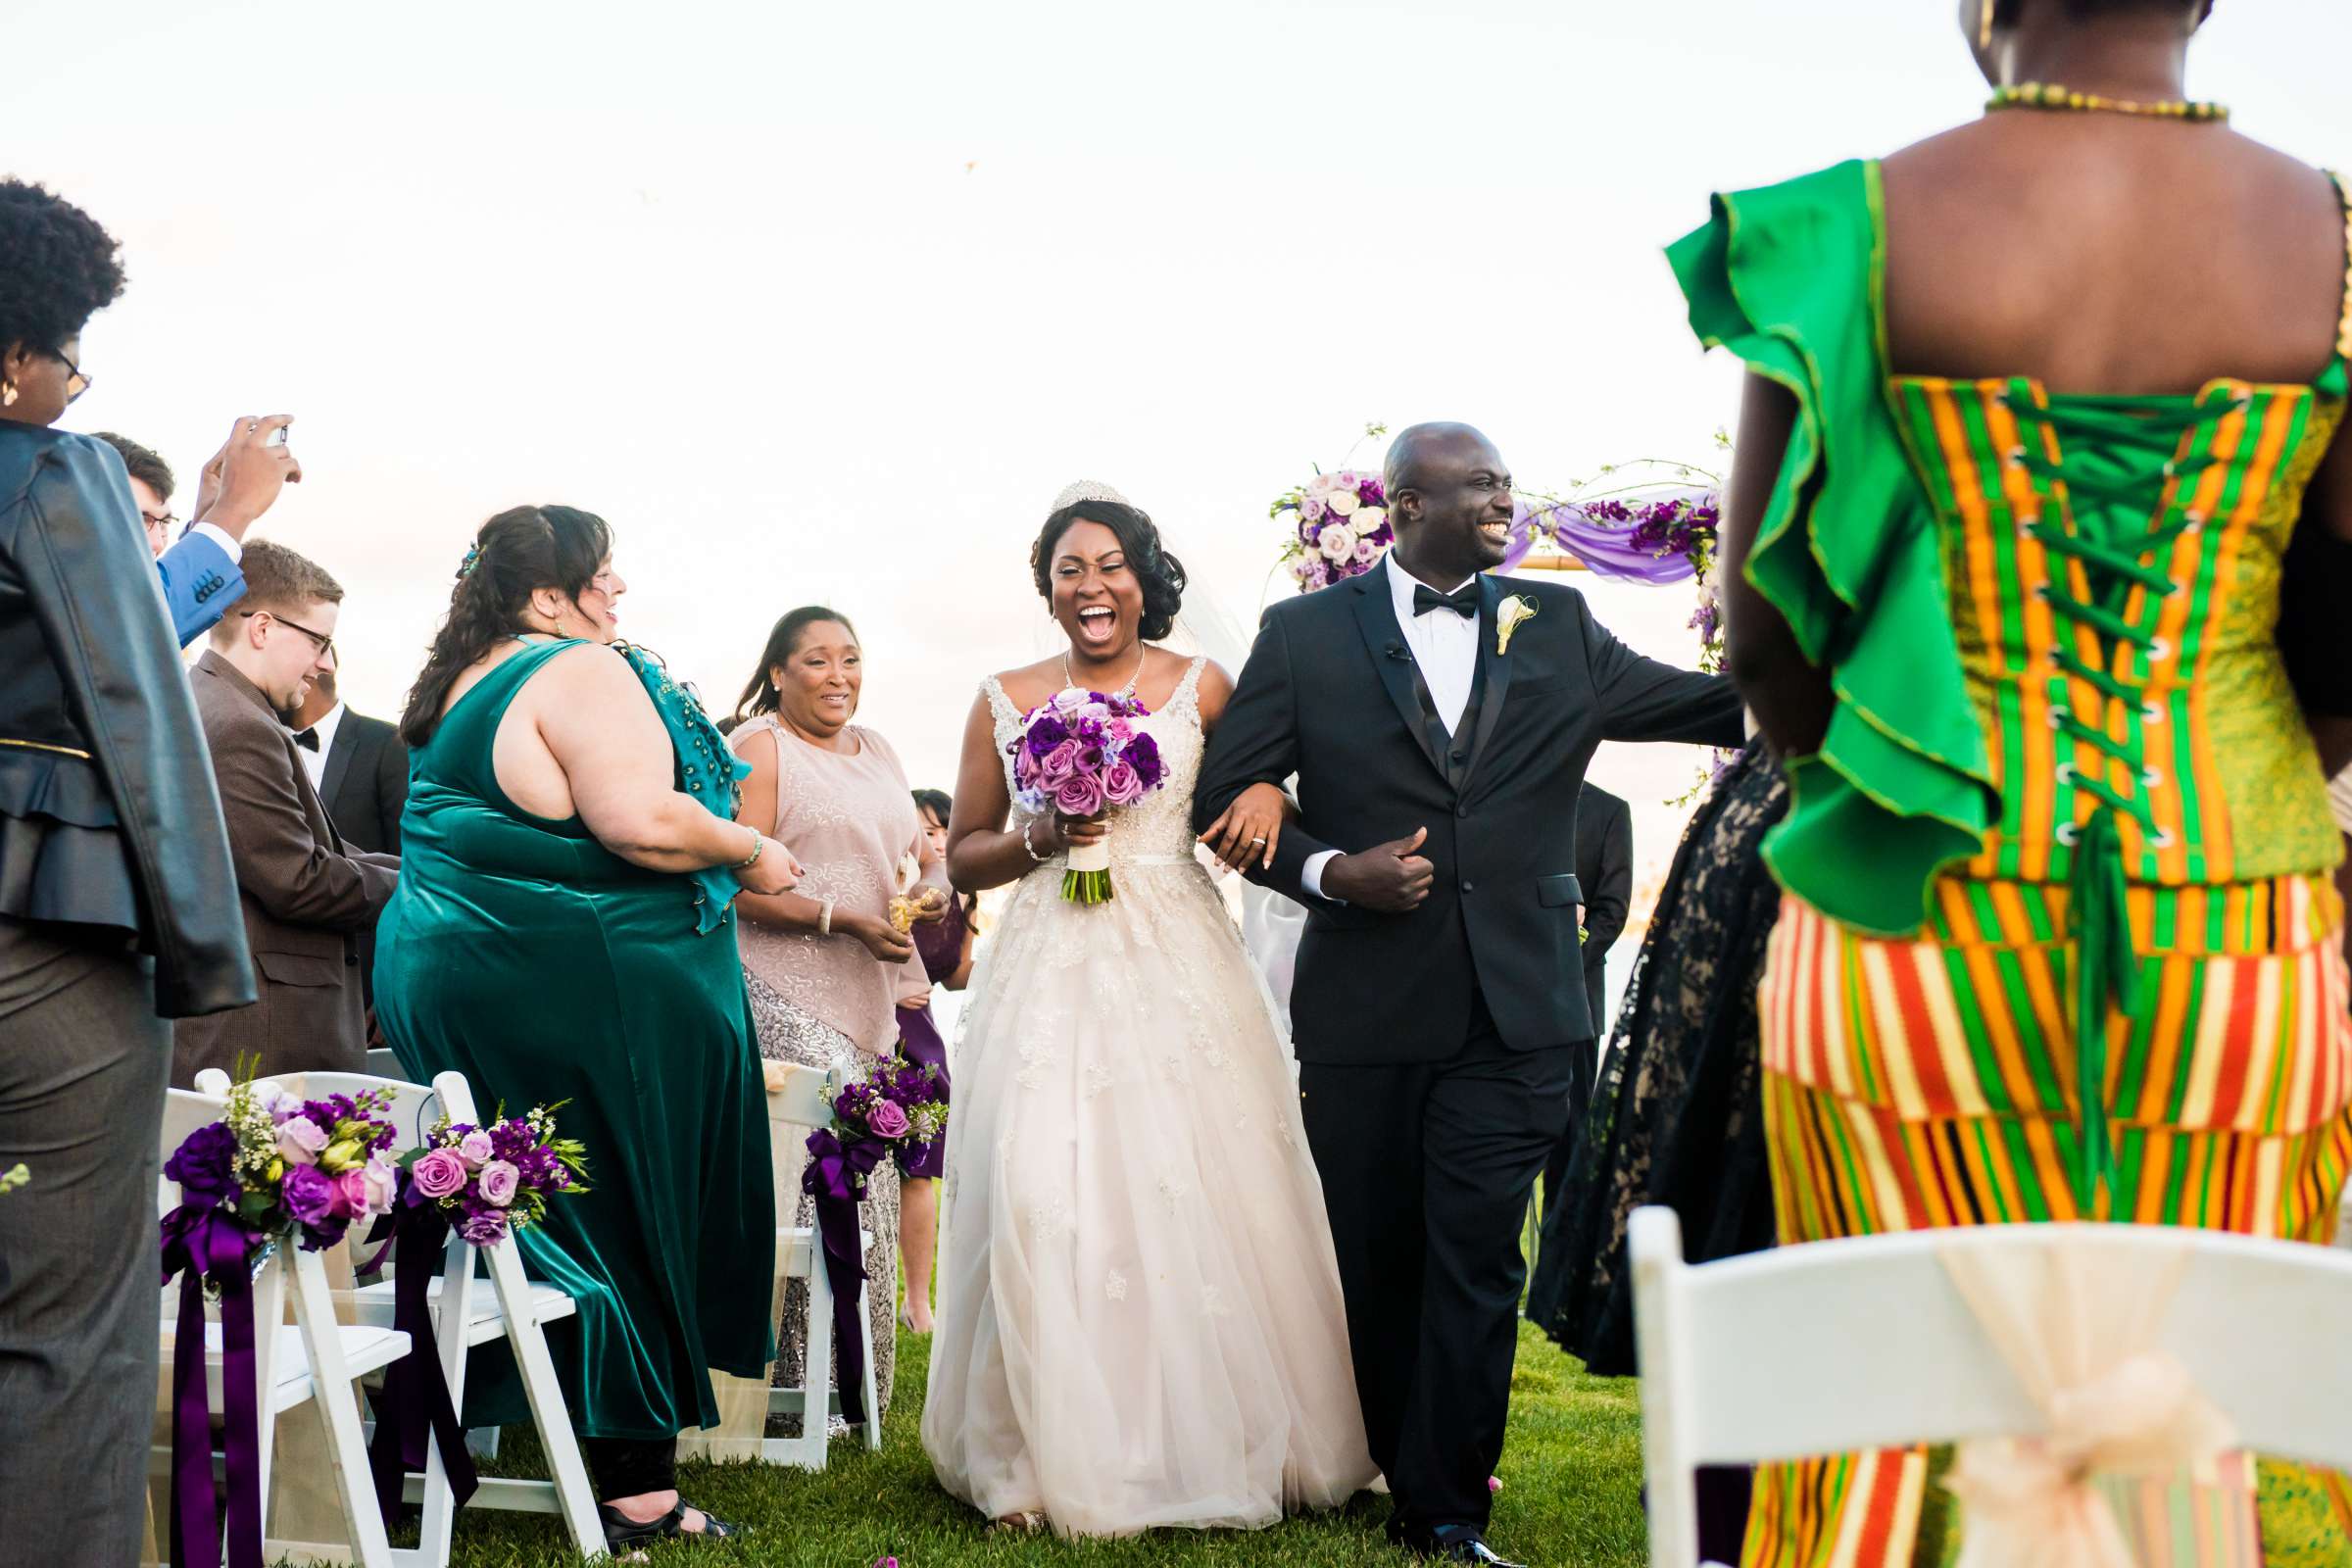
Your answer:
<point x="624" y="1533"/>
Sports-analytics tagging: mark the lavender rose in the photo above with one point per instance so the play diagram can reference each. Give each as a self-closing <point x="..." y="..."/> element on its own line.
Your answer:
<point x="1122" y="785"/>
<point x="438" y="1173"/>
<point x="351" y="1193"/>
<point x="1078" y="795"/>
<point x="308" y="1193"/>
<point x="499" y="1181"/>
<point x="486" y="1229"/>
<point x="888" y="1119"/>
<point x="1058" y="764"/>
<point x="299" y="1140"/>
<point x="476" y="1148"/>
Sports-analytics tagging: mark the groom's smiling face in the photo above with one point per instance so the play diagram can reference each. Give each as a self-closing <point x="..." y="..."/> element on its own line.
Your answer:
<point x="1451" y="495"/>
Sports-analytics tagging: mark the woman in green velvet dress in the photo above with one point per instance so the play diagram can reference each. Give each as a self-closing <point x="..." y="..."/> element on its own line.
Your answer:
<point x="562" y="932"/>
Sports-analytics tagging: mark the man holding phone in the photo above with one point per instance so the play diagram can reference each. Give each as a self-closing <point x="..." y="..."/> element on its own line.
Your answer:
<point x="201" y="573"/>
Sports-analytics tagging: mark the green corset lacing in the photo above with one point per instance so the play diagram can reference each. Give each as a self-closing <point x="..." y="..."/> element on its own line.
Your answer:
<point x="2098" y="916"/>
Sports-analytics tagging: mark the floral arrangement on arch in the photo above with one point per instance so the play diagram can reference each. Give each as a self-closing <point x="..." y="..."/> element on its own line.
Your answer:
<point x="495" y="1179"/>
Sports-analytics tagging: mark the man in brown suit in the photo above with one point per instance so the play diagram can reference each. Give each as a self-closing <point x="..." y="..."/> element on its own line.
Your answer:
<point x="306" y="896"/>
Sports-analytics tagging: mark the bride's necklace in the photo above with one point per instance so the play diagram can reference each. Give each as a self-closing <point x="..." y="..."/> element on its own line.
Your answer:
<point x="2049" y="95"/>
<point x="1128" y="690"/>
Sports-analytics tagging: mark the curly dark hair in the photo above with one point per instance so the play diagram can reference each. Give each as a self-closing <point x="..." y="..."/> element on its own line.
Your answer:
<point x="1161" y="574"/>
<point x="58" y="268"/>
<point x="144" y="463"/>
<point x="516" y="552"/>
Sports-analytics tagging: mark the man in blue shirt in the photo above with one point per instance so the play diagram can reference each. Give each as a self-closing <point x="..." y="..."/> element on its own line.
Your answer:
<point x="201" y="576"/>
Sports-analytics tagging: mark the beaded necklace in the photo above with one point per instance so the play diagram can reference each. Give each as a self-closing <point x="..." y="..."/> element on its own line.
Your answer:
<point x="2049" y="95"/>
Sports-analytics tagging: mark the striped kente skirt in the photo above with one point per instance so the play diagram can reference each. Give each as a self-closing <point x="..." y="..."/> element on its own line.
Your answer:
<point x="1932" y="1081"/>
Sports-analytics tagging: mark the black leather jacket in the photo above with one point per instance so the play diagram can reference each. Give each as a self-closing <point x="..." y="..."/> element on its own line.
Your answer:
<point x="109" y="816"/>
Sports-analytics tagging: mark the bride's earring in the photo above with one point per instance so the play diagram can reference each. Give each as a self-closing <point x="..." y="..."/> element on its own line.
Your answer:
<point x="8" y="394"/>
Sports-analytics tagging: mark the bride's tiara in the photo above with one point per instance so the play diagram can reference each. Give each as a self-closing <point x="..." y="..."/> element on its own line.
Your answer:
<point x="1087" y="490"/>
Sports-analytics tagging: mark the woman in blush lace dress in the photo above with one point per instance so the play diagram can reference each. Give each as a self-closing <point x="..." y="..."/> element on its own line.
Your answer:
<point x="1138" y="1315"/>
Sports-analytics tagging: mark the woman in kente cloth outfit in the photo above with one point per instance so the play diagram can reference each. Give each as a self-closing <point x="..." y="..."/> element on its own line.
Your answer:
<point x="562" y="932"/>
<point x="2051" y="393"/>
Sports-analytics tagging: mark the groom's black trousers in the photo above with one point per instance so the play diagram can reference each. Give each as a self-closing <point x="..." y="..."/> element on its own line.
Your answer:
<point x="1426" y="1168"/>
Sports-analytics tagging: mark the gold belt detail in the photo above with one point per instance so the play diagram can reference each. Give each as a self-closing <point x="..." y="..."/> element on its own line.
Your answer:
<point x="44" y="746"/>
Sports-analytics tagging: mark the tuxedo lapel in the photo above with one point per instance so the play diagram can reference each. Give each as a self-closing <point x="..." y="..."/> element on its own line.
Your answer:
<point x="1494" y="668"/>
<point x="339" y="760"/>
<point x="1376" y="616"/>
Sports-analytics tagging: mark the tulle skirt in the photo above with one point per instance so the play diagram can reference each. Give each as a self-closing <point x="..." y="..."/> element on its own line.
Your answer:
<point x="1138" y="1315"/>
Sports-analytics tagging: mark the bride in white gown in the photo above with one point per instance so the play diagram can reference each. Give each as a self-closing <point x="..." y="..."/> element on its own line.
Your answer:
<point x="1139" y="1321"/>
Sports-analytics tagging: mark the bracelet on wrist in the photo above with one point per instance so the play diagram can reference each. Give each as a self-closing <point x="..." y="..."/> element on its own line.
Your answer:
<point x="759" y="844"/>
<point x="825" y="919"/>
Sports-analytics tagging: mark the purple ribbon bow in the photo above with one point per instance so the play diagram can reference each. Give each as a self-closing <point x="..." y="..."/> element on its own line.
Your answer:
<point x="206" y="1241"/>
<point x="835" y="1177"/>
<point x="416" y="1399"/>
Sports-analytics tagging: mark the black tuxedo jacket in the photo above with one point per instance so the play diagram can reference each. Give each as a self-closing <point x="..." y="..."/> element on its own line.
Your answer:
<point x="1332" y="693"/>
<point x="1604" y="865"/>
<point x="365" y="784"/>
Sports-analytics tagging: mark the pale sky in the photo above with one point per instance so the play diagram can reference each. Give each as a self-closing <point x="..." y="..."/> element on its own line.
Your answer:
<point x="824" y="303"/>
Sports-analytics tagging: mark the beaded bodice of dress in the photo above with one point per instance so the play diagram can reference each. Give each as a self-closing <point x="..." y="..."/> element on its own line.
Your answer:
<point x="1159" y="827"/>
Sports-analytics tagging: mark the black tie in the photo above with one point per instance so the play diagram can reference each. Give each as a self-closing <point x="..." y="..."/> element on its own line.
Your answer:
<point x="1463" y="601"/>
<point x="306" y="739"/>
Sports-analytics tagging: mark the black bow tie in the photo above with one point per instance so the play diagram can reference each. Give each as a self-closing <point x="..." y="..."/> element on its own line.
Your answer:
<point x="306" y="739"/>
<point x="1463" y="601"/>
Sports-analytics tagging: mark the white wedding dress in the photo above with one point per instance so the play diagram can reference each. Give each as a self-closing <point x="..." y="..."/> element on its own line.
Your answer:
<point x="1139" y="1317"/>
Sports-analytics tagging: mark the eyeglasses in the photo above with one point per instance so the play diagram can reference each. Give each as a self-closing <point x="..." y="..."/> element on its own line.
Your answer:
<point x="158" y="521"/>
<point x="327" y="644"/>
<point x="76" y="383"/>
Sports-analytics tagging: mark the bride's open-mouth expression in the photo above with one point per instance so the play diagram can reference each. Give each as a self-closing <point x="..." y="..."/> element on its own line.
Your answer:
<point x="1096" y="597"/>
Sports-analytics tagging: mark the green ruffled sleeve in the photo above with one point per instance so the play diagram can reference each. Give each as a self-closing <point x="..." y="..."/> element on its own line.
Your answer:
<point x="1848" y="550"/>
<point x="707" y="771"/>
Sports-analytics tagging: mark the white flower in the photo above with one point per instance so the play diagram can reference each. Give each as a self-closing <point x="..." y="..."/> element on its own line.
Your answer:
<point x="1343" y="502"/>
<point x="1322" y="484"/>
<point x="1369" y="519"/>
<point x="1338" y="542"/>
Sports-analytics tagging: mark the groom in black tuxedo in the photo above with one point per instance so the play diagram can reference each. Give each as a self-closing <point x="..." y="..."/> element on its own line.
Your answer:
<point x="1439" y="732"/>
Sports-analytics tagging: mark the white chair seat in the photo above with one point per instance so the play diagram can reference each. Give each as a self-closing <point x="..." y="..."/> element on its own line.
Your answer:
<point x="375" y="1304"/>
<point x="366" y="1349"/>
<point x="797" y="1246"/>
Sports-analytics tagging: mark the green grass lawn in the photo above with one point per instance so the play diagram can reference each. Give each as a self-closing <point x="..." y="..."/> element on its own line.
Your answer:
<point x="1571" y="1499"/>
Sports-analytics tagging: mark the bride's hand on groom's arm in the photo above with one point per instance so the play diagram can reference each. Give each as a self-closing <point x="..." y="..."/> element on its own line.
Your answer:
<point x="1250" y="828"/>
<point x="1393" y="878"/>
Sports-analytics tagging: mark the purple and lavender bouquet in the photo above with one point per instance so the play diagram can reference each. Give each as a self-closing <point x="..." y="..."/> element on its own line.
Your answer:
<point x="498" y="1178"/>
<point x="1079" y="755"/>
<point x="899" y="1102"/>
<point x="277" y="1165"/>
<point x="1338" y="527"/>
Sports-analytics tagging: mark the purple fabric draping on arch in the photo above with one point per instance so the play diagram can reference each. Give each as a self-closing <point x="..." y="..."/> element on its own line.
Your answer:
<point x="204" y="1241"/>
<point x="417" y="1402"/>
<point x="1608" y="547"/>
<point x="835" y="1175"/>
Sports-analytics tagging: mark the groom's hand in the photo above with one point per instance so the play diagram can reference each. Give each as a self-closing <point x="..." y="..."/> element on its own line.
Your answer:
<point x="1392" y="878"/>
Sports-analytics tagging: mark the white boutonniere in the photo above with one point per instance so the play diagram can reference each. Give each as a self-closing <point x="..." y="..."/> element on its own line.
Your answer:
<point x="1508" y="620"/>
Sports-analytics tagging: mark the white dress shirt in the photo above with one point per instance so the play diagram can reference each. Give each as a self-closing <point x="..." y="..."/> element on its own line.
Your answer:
<point x="315" y="762"/>
<point x="1444" y="647"/>
<point x="230" y="546"/>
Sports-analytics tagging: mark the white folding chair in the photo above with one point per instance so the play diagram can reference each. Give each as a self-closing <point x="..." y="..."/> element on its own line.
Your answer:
<point x="1835" y="1347"/>
<point x="313" y="1358"/>
<point x="513" y="1307"/>
<point x="800" y="1099"/>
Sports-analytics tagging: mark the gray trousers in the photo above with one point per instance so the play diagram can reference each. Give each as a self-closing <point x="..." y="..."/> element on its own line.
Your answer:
<point x="83" y="1064"/>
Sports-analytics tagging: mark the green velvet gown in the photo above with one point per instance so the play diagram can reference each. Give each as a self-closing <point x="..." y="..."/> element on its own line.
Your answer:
<point x="523" y="954"/>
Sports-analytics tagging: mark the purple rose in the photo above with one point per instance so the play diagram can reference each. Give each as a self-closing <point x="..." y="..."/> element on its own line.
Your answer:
<point x="888" y="1119"/>
<point x="1045" y="732"/>
<point x="308" y="1193"/>
<point x="1122" y="785"/>
<point x="204" y="1164"/>
<point x="1058" y="766"/>
<point x="1144" y="757"/>
<point x="299" y="1141"/>
<point x="476" y="1149"/>
<point x="438" y="1173"/>
<point x="486" y="1229"/>
<point x="1078" y="795"/>
<point x="499" y="1181"/>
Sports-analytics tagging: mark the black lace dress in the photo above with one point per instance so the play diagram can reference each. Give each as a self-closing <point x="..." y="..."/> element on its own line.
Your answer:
<point x="1675" y="1118"/>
